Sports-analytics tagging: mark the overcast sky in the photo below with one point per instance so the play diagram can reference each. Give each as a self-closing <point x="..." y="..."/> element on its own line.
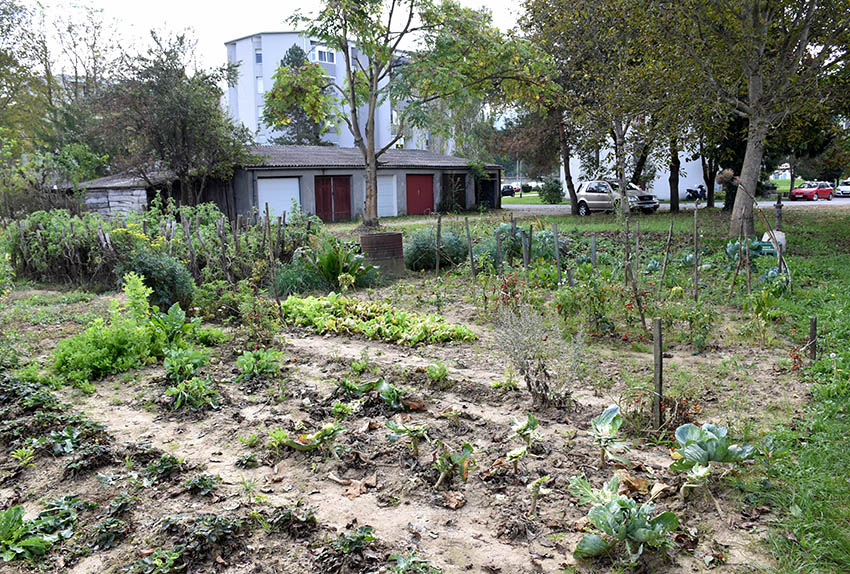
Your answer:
<point x="213" y="22"/>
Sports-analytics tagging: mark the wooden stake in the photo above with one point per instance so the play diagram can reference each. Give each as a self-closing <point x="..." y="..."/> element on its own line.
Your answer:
<point x="570" y="279"/>
<point x="813" y="338"/>
<point x="439" y="230"/>
<point x="593" y="251"/>
<point x="666" y="257"/>
<point x="469" y="242"/>
<point x="696" y="254"/>
<point x="658" y="377"/>
<point x="530" y="244"/>
<point x="630" y="274"/>
<point x="522" y="236"/>
<point x="498" y="251"/>
<point x="637" y="244"/>
<point x="187" y="234"/>
<point x="556" y="237"/>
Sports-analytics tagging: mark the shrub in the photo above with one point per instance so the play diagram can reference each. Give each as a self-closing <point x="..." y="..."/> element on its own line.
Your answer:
<point x="339" y="263"/>
<point x="217" y="300"/>
<point x="7" y="274"/>
<point x="196" y="394"/>
<point x="182" y="364"/>
<point x="259" y="363"/>
<point x="551" y="191"/>
<point x="421" y="249"/>
<point x="169" y="279"/>
<point x="297" y="277"/>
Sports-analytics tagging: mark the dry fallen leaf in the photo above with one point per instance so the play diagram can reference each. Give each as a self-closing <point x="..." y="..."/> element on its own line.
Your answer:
<point x="355" y="489"/>
<point x="630" y="484"/>
<point x="453" y="499"/>
<point x="659" y="489"/>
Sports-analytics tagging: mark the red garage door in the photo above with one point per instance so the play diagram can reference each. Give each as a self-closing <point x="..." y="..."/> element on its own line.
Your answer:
<point x="420" y="194"/>
<point x="333" y="197"/>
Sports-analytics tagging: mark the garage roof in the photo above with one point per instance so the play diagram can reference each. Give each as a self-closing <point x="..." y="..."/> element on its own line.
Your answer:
<point x="293" y="156"/>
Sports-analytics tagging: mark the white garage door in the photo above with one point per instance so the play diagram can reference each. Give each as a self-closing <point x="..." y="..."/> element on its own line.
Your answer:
<point x="387" y="198"/>
<point x="279" y="193"/>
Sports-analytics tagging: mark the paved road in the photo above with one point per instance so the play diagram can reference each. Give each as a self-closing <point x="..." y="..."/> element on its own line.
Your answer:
<point x="565" y="209"/>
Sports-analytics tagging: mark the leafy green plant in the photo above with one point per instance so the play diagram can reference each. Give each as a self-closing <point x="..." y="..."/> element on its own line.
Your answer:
<point x="298" y="521"/>
<point x="172" y="327"/>
<point x="346" y="543"/>
<point x="183" y="363"/>
<point x="259" y="363"/>
<point x="604" y="430"/>
<point x="202" y="484"/>
<point x="168" y="279"/>
<point x="251" y="441"/>
<point x="536" y="489"/>
<point x="320" y="440"/>
<point x="24" y="456"/>
<point x="438" y="375"/>
<point x="527" y="431"/>
<point x="515" y="456"/>
<point x="448" y="463"/>
<point x="699" y="446"/>
<point x="17" y="539"/>
<point x="165" y="467"/>
<point x="341" y="410"/>
<point x="420" y="251"/>
<point x="338" y="262"/>
<point x="375" y="320"/>
<point x="109" y="532"/>
<point x="196" y="394"/>
<point x="411" y="564"/>
<point x="620" y="520"/>
<point x="247" y="460"/>
<point x="364" y="364"/>
<point x="551" y="191"/>
<point x="415" y="433"/>
<point x="161" y="562"/>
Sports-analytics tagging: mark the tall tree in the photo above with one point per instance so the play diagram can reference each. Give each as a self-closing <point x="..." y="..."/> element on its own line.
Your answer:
<point x="451" y="54"/>
<point x="297" y="127"/>
<point x="764" y="59"/>
<point x="171" y="112"/>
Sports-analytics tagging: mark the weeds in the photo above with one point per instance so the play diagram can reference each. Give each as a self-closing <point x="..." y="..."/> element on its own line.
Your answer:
<point x="196" y="394"/>
<point x="202" y="484"/>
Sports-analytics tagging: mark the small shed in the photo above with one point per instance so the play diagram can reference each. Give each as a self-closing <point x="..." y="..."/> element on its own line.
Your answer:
<point x="330" y="182"/>
<point x="120" y="193"/>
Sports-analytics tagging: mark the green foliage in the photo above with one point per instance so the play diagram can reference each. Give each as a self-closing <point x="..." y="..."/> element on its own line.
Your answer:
<point x="170" y="281"/>
<point x="172" y="328"/>
<point x="448" y="463"/>
<point x="299" y="277"/>
<point x="527" y="431"/>
<point x="257" y="364"/>
<point x="196" y="393"/>
<point x="161" y="562"/>
<point x="346" y="543"/>
<point x="342" y="315"/>
<point x="411" y="564"/>
<point x="24" y="456"/>
<point x="298" y="521"/>
<point x="420" y="251"/>
<point x="16" y="538"/>
<point x="165" y="467"/>
<point x="300" y="87"/>
<point x="699" y="446"/>
<point x="604" y="429"/>
<point x="182" y="364"/>
<point x="7" y="274"/>
<point x="415" y="433"/>
<point x="551" y="191"/>
<point x="251" y="441"/>
<point x="247" y="460"/>
<point x="202" y="484"/>
<point x="621" y="520"/>
<point x="320" y="440"/>
<point x="339" y="263"/>
<point x="109" y="532"/>
<point x="340" y="410"/>
<point x="438" y="374"/>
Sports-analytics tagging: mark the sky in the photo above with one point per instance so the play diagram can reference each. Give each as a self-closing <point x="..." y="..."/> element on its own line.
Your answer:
<point x="215" y="22"/>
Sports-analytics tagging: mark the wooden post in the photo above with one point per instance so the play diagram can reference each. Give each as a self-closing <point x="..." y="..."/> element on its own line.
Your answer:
<point x="187" y="234"/>
<point x="570" y="279"/>
<point x="593" y="251"/>
<point x="631" y="275"/>
<point x="637" y="244"/>
<point x="469" y="242"/>
<point x="666" y="257"/>
<point x="498" y="251"/>
<point x="268" y="230"/>
<point x="439" y="230"/>
<point x="658" y="377"/>
<point x="530" y="245"/>
<point x="522" y="236"/>
<point x="696" y="254"/>
<point x="557" y="239"/>
<point x="277" y="239"/>
<point x="747" y="263"/>
<point x="813" y="338"/>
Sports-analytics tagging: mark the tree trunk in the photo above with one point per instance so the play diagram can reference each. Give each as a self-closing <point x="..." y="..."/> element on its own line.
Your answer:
<point x="742" y="211"/>
<point x="568" y="176"/>
<point x="675" y="165"/>
<point x="709" y="172"/>
<point x="641" y="162"/>
<point x="620" y="153"/>
<point x="370" y="214"/>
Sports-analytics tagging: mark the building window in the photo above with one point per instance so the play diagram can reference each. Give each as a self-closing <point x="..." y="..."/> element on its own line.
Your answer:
<point x="260" y="89"/>
<point x="258" y="56"/>
<point x="319" y="53"/>
<point x="259" y="118"/>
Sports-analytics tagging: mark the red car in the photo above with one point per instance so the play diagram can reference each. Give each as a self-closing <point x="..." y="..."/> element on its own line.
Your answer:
<point x="813" y="191"/>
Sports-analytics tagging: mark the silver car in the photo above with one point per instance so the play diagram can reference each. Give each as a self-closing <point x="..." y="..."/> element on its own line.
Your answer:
<point x="604" y="195"/>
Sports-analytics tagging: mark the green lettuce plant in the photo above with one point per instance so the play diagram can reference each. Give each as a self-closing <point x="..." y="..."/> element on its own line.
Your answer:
<point x="450" y="462"/>
<point x="701" y="445"/>
<point x="415" y="433"/>
<point x="604" y="430"/>
<point x="620" y="520"/>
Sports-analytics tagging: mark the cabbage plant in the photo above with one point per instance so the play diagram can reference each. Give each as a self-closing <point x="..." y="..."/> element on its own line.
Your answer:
<point x="699" y="446"/>
<point x="604" y="429"/>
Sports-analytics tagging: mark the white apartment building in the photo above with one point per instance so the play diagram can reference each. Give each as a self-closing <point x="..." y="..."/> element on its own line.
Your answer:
<point x="259" y="56"/>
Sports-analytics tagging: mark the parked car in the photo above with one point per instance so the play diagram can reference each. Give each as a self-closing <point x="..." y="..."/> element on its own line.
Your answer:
<point x="603" y="195"/>
<point x="812" y="190"/>
<point x="508" y="190"/>
<point x="843" y="189"/>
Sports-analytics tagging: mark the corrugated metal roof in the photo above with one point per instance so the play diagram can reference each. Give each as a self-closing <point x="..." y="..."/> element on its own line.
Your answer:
<point x="127" y="181"/>
<point x="292" y="156"/>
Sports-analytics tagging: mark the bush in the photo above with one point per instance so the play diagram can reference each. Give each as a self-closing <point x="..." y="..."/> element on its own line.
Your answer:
<point x="169" y="279"/>
<point x="552" y="191"/>
<point x="339" y="263"/>
<point x="7" y="274"/>
<point x="421" y="249"/>
<point x="296" y="278"/>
